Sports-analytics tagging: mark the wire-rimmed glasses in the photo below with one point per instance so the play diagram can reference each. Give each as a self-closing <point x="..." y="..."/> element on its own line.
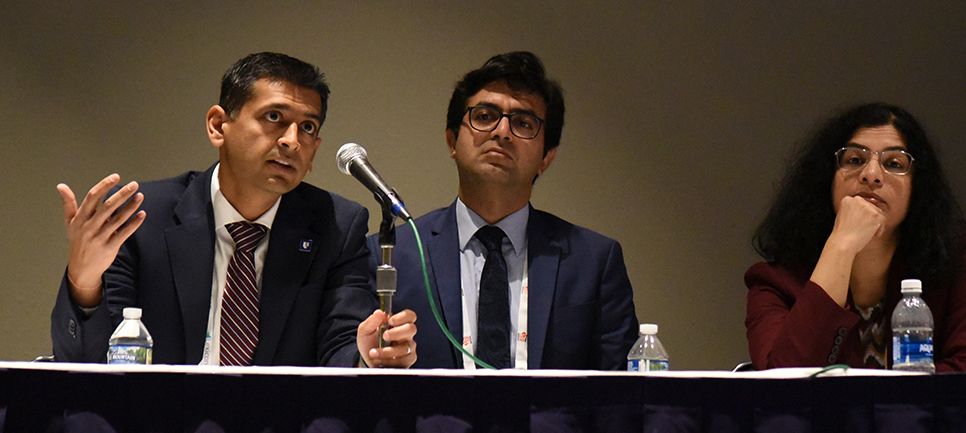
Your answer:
<point x="893" y="161"/>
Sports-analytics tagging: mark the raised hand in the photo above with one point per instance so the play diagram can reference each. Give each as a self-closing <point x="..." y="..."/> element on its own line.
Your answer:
<point x="95" y="232"/>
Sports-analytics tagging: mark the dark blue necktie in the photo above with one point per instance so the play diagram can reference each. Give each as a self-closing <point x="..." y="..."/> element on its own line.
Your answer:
<point x="493" y="314"/>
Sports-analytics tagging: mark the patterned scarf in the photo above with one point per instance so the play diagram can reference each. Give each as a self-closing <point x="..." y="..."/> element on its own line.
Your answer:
<point x="872" y="335"/>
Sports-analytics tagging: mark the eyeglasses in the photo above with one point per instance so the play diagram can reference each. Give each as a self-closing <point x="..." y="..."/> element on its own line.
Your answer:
<point x="895" y="161"/>
<point x="486" y="119"/>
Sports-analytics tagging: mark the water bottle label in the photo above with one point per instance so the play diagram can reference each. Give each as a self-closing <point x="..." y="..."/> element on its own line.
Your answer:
<point x="128" y="355"/>
<point x="646" y="365"/>
<point x="911" y="350"/>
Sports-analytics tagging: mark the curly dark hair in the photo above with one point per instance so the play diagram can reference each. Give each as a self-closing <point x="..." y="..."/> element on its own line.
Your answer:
<point x="801" y="218"/>
<point x="523" y="72"/>
<point x="238" y="83"/>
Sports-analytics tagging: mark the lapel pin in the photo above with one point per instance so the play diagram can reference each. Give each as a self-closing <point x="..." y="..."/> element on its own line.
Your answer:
<point x="305" y="245"/>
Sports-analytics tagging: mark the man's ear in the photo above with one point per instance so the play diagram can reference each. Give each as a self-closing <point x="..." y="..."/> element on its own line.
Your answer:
<point x="215" y="122"/>
<point x="451" y="142"/>
<point x="547" y="159"/>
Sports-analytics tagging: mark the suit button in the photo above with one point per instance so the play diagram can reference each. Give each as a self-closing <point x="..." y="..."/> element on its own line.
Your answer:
<point x="843" y="331"/>
<point x="835" y="350"/>
<point x="831" y="359"/>
<point x="72" y="327"/>
<point x="838" y="340"/>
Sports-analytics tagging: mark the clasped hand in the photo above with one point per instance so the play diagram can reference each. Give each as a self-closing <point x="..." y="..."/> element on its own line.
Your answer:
<point x="402" y="329"/>
<point x="857" y="223"/>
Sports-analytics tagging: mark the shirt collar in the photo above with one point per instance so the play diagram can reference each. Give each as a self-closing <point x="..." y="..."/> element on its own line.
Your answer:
<point x="225" y="213"/>
<point x="514" y="225"/>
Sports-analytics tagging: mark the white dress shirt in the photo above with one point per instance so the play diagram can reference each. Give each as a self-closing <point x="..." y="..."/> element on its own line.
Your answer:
<point x="472" y="259"/>
<point x="224" y="214"/>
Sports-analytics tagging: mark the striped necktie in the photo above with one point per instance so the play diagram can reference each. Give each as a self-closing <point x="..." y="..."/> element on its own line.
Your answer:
<point x="239" y="305"/>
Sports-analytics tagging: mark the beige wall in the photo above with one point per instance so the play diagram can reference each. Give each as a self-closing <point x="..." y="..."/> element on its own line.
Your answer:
<point x="679" y="119"/>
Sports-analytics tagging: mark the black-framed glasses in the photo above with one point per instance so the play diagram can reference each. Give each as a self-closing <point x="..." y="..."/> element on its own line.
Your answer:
<point x="893" y="161"/>
<point x="485" y="119"/>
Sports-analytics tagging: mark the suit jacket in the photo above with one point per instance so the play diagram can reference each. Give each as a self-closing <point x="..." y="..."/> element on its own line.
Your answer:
<point x="792" y="322"/>
<point x="581" y="306"/>
<point x="315" y="285"/>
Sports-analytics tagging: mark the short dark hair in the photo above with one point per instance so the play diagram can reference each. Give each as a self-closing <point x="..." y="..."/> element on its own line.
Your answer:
<point x="523" y="72"/>
<point x="238" y="83"/>
<point x="799" y="222"/>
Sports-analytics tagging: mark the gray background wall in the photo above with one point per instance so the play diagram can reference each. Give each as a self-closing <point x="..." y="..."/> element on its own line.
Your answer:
<point x="680" y="117"/>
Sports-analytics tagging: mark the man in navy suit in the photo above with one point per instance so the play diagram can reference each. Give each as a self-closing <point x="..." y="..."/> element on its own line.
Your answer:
<point x="565" y="301"/>
<point x="172" y="257"/>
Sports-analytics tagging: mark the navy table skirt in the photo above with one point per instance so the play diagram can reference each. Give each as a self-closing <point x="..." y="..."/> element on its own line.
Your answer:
<point x="49" y="397"/>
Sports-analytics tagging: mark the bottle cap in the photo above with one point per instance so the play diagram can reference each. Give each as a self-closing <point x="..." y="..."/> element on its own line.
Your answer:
<point x="911" y="286"/>
<point x="132" y="313"/>
<point x="648" y="328"/>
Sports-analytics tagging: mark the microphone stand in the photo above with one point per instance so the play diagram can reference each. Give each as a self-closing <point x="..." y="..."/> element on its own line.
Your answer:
<point x="386" y="273"/>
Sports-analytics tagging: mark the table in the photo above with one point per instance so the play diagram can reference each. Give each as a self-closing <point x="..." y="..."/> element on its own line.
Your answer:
<point x="84" y="397"/>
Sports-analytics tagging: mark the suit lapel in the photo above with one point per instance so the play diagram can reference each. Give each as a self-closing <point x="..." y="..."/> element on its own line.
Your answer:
<point x="443" y="250"/>
<point x="191" y="253"/>
<point x="543" y="253"/>
<point x="284" y="270"/>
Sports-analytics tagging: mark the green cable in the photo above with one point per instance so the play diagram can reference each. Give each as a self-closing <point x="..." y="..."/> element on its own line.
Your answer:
<point x="432" y="302"/>
<point x="828" y="369"/>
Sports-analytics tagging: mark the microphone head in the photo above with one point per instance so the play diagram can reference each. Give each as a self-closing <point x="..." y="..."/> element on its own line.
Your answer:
<point x="346" y="154"/>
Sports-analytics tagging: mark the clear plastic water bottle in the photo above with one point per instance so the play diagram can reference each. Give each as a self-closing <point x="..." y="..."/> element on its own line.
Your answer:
<point x="131" y="343"/>
<point x="647" y="354"/>
<point x="912" y="331"/>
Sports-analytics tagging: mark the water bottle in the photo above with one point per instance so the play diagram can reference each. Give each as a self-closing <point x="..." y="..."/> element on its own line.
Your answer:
<point x="912" y="331"/>
<point x="647" y="354"/>
<point x="131" y="343"/>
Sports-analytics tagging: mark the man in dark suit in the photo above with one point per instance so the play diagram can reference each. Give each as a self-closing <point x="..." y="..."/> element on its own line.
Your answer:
<point x="562" y="296"/>
<point x="301" y="297"/>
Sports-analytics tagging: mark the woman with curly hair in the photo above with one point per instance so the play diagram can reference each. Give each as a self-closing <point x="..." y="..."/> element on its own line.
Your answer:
<point x="864" y="205"/>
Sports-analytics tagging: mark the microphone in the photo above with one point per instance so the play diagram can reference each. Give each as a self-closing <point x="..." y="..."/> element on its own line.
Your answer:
<point x="352" y="160"/>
